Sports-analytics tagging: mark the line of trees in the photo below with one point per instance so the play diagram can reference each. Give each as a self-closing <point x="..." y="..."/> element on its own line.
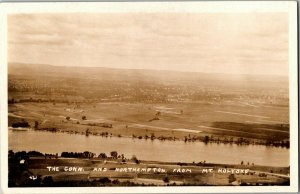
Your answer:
<point x="85" y="154"/>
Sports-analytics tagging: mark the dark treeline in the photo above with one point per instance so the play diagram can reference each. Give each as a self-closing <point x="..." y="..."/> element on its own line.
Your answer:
<point x="13" y="100"/>
<point x="85" y="154"/>
<point x="23" y="154"/>
<point x="216" y="139"/>
<point x="20" y="124"/>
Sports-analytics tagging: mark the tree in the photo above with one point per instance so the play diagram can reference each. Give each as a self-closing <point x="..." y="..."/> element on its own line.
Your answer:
<point x="83" y="117"/>
<point x="185" y="139"/>
<point x="11" y="154"/>
<point x="48" y="181"/>
<point x="68" y="118"/>
<point x="116" y="181"/>
<point x="104" y="180"/>
<point x="23" y="123"/>
<point x="88" y="154"/>
<point x="166" y="179"/>
<point x="114" y="154"/>
<point x="36" y="124"/>
<point x="34" y="153"/>
<point x="87" y="132"/>
<point x="102" y="155"/>
<point x="152" y="136"/>
<point x="206" y="139"/>
<point x="134" y="158"/>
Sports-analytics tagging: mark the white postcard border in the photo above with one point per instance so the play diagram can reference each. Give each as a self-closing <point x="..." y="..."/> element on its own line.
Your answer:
<point x="148" y="7"/>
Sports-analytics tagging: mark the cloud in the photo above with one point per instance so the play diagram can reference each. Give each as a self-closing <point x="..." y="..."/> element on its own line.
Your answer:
<point x="195" y="42"/>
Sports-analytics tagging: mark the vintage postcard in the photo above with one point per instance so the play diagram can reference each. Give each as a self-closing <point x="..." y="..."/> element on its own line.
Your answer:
<point x="149" y="97"/>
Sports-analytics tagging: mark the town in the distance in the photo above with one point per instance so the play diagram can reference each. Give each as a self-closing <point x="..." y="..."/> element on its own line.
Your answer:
<point x="96" y="118"/>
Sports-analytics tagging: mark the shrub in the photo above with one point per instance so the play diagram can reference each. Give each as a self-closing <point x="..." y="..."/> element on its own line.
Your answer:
<point x="166" y="179"/>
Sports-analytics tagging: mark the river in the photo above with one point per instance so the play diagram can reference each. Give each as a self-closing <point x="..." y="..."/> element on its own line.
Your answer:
<point x="168" y="151"/>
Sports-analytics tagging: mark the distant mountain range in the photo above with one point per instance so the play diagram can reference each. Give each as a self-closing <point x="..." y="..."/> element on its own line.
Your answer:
<point x="145" y="75"/>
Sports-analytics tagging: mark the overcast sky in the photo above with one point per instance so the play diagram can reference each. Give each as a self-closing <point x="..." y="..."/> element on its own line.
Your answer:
<point x="247" y="43"/>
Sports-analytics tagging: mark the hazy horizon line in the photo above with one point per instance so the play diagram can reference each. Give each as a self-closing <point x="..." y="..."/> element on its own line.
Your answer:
<point x="147" y="69"/>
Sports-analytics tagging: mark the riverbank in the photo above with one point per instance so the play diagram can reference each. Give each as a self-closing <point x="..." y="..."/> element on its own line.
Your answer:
<point x="189" y="138"/>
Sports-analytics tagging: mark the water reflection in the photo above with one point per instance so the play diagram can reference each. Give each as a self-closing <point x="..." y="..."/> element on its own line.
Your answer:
<point x="168" y="151"/>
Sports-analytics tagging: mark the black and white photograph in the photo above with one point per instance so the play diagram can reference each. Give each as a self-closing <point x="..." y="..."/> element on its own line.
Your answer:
<point x="150" y="95"/>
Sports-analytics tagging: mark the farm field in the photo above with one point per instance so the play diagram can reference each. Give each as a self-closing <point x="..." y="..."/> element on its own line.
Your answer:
<point x="174" y="120"/>
<point x="184" y="118"/>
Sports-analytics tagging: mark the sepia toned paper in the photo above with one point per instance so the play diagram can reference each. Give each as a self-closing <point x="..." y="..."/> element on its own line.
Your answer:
<point x="149" y="97"/>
